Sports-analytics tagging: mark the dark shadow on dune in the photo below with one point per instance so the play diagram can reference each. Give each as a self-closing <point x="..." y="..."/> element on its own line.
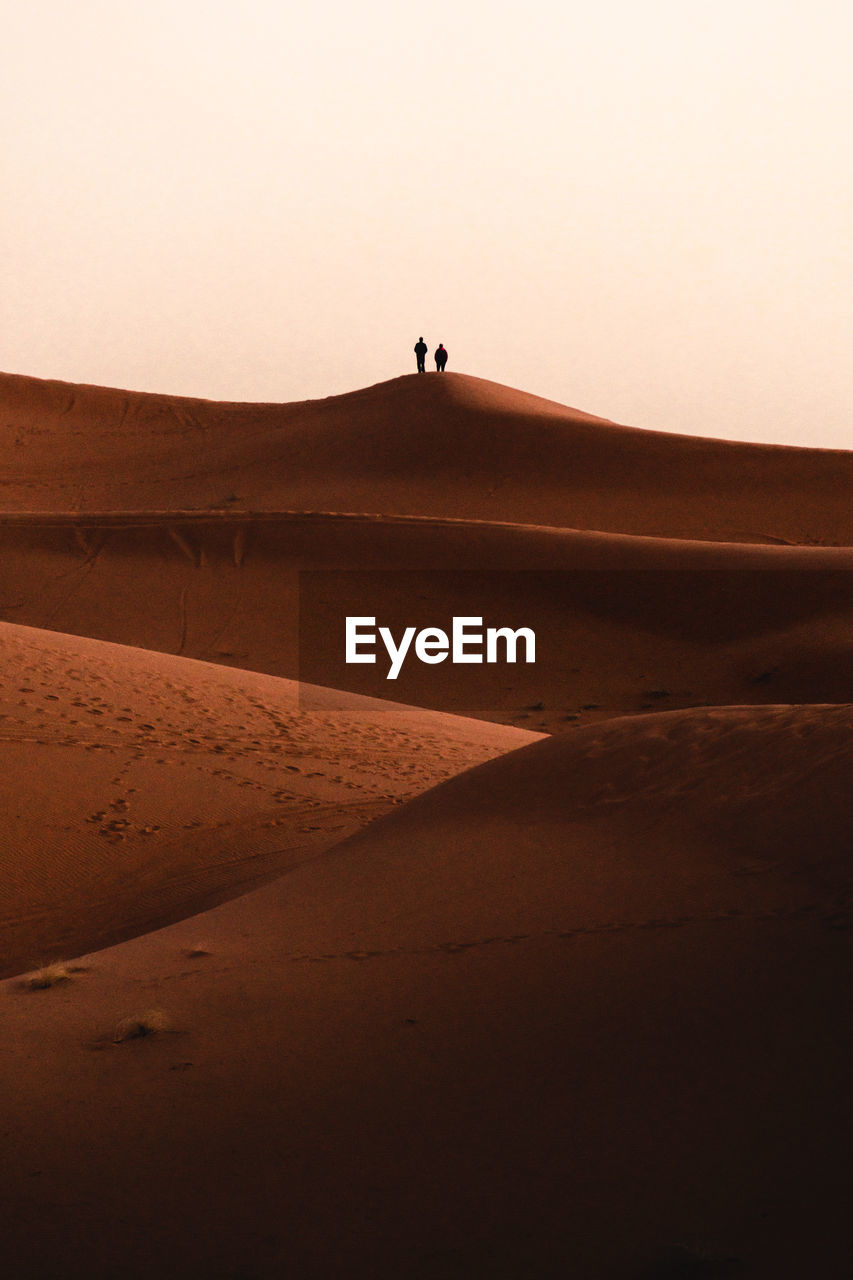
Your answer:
<point x="681" y="1263"/>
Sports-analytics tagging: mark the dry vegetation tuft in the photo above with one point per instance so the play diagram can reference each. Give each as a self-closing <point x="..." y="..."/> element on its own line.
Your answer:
<point x="50" y="975"/>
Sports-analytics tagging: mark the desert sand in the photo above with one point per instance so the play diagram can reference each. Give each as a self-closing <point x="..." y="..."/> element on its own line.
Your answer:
<point x="455" y="446"/>
<point x="528" y="972"/>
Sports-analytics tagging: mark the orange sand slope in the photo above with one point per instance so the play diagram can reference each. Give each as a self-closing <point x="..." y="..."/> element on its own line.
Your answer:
<point x="451" y="446"/>
<point x="623" y="623"/>
<point x="138" y="788"/>
<point x="579" y="1012"/>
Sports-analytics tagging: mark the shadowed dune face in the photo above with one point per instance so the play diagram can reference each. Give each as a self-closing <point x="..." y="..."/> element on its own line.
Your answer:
<point x="580" y="1011"/>
<point x="454" y="446"/>
<point x="760" y="794"/>
<point x="137" y="788"/>
<point x="623" y="624"/>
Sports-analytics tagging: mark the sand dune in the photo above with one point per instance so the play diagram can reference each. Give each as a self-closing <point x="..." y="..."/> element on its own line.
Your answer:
<point x="579" y="1011"/>
<point x="138" y="789"/>
<point x="439" y="998"/>
<point x="454" y="446"/>
<point x="624" y="623"/>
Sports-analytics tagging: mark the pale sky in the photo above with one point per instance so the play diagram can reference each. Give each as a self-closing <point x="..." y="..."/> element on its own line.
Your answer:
<point x="644" y="210"/>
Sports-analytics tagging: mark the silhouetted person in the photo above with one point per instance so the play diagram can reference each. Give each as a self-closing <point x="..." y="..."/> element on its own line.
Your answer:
<point x="421" y="353"/>
<point x="440" y="358"/>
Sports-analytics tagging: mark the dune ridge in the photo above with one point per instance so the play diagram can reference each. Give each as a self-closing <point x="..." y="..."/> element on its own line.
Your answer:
<point x="374" y="990"/>
<point x="454" y="446"/>
<point x="182" y="784"/>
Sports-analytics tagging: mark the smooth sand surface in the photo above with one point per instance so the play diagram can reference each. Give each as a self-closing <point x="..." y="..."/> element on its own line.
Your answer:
<point x="580" y="1011"/>
<point x="138" y="788"/>
<point x="436" y="446"/>
<point x="363" y="989"/>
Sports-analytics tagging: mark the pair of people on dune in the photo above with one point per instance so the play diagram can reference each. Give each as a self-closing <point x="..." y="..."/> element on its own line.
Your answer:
<point x="421" y="354"/>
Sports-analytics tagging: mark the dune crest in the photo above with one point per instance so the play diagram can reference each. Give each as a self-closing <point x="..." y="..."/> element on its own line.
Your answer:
<point x="454" y="446"/>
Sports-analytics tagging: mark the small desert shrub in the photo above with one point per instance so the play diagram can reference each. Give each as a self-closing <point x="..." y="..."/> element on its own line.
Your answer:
<point x="50" y="975"/>
<point x="140" y="1025"/>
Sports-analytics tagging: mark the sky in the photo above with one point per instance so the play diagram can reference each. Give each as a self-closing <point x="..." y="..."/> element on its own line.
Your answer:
<point x="644" y="210"/>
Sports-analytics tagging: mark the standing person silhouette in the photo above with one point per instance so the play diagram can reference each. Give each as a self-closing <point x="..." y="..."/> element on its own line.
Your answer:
<point x="421" y="352"/>
<point x="440" y="358"/>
